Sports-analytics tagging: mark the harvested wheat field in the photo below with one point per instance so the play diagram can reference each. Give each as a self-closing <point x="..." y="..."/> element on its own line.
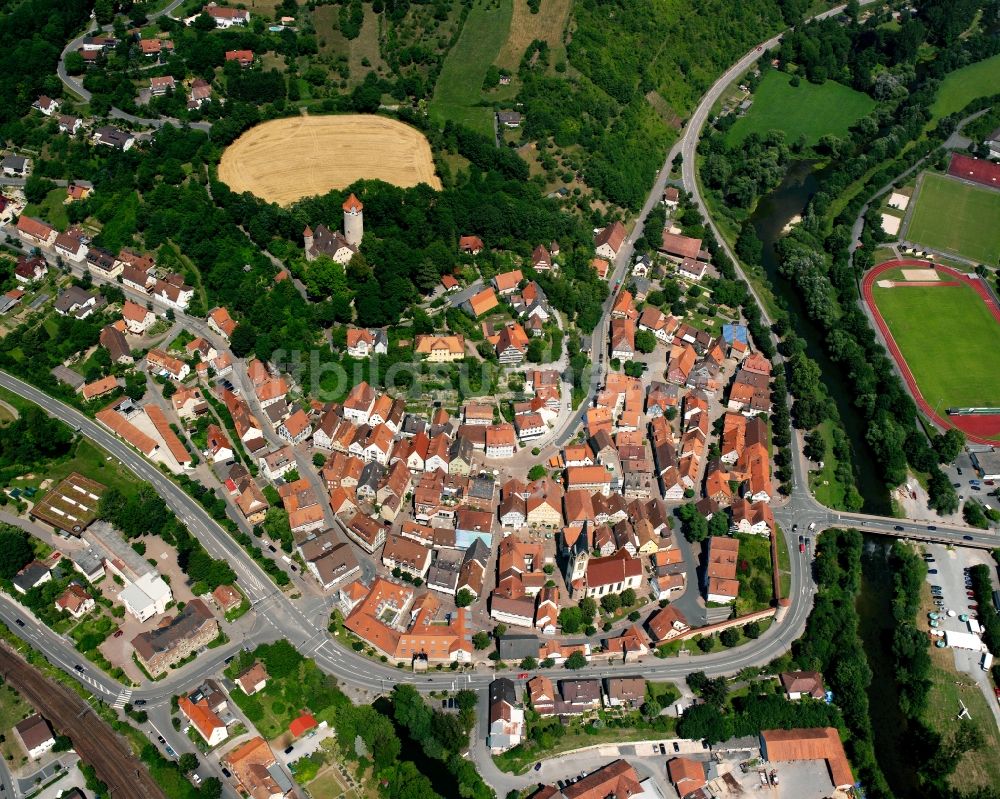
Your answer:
<point x="284" y="160"/>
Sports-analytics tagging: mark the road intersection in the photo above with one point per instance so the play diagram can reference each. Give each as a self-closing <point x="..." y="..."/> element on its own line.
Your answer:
<point x="304" y="621"/>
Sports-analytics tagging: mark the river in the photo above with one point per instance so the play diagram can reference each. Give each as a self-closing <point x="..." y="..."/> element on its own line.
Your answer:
<point x="773" y="213"/>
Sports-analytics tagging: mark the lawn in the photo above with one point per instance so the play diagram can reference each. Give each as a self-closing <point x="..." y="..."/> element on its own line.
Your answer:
<point x="459" y="87"/>
<point x="328" y="784"/>
<point x="964" y="85"/>
<point x="52" y="209"/>
<point x="89" y="461"/>
<point x="754" y="574"/>
<point x="950" y="370"/>
<point x="827" y="489"/>
<point x="957" y="217"/>
<point x="808" y="110"/>
<point x="12" y="709"/>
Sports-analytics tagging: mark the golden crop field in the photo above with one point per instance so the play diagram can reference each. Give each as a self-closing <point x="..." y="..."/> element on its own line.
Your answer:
<point x="284" y="160"/>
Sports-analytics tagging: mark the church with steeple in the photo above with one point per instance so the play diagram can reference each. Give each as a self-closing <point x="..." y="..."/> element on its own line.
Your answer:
<point x="338" y="246"/>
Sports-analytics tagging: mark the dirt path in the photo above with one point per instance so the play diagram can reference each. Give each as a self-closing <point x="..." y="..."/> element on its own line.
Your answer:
<point x="95" y="742"/>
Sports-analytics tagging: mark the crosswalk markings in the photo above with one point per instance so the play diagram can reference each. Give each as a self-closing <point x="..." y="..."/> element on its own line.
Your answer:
<point x="122" y="699"/>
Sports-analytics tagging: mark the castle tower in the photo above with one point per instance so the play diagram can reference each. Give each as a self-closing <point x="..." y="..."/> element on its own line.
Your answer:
<point x="307" y="240"/>
<point x="354" y="221"/>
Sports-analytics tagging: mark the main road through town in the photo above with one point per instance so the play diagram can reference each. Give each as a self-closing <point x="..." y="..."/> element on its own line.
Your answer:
<point x="304" y="622"/>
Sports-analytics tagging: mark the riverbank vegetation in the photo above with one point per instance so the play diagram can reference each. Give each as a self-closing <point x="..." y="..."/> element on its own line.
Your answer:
<point x="815" y="256"/>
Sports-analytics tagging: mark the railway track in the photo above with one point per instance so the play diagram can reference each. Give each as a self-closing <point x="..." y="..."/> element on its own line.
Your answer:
<point x="94" y="740"/>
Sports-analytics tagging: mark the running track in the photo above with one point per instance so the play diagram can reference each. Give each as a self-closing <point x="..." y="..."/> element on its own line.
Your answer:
<point x="959" y="277"/>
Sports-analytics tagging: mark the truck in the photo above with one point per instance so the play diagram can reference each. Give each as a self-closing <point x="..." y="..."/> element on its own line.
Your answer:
<point x="986" y="662"/>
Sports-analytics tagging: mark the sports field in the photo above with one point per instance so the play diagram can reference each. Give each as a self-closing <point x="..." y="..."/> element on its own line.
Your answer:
<point x="284" y="160"/>
<point x="459" y="87"/>
<point x="956" y="217"/>
<point x="963" y="85"/>
<point x="949" y="339"/>
<point x="808" y="110"/>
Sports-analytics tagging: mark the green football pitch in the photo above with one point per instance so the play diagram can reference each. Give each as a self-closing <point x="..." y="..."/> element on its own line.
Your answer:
<point x="957" y="217"/>
<point x="950" y="341"/>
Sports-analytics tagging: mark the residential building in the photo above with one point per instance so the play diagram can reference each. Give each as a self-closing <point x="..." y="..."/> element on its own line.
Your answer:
<point x="193" y="628"/>
<point x="296" y="428"/>
<point x="225" y="17"/>
<point x="35" y="736"/>
<point x="481" y="303"/>
<point x="137" y="318"/>
<point x="800" y="684"/>
<point x="500" y="441"/>
<point x="506" y="718"/>
<point x="253" y="680"/>
<point x="628" y="692"/>
<point x="362" y="343"/>
<point x="161" y="363"/>
<point x="30" y="268"/>
<point x="367" y="532"/>
<point x="207" y="723"/>
<point x="35" y="232"/>
<point x="31" y="576"/>
<point x="506" y="283"/>
<point x="667" y="624"/>
<point x="256" y="771"/>
<point x="115" y="138"/>
<point x="75" y="601"/>
<point x="406" y="555"/>
<point x="221" y="322"/>
<point x="609" y="240"/>
<point x="441" y="349"/>
<point x="720" y="571"/>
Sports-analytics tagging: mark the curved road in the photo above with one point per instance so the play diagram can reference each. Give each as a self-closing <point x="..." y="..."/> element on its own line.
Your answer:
<point x="304" y="623"/>
<point x="76" y="86"/>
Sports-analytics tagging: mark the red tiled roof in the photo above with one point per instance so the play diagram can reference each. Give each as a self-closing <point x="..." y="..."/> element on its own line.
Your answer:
<point x="305" y="722"/>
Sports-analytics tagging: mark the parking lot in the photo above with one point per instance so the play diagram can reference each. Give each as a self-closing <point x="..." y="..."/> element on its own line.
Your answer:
<point x="948" y="586"/>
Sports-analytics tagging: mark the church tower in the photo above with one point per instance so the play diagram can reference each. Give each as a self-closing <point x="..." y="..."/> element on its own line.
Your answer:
<point x="354" y="221"/>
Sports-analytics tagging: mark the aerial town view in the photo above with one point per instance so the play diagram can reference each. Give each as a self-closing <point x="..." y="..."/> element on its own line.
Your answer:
<point x="499" y="399"/>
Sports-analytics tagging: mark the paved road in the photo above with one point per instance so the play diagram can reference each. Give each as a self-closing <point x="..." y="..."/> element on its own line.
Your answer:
<point x="75" y="85"/>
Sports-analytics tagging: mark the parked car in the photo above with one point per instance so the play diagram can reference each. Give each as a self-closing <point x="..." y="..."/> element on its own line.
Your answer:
<point x="226" y="772"/>
<point x="119" y="633"/>
<point x="161" y="739"/>
<point x="288" y="749"/>
<point x="538" y="766"/>
<point x="932" y="571"/>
